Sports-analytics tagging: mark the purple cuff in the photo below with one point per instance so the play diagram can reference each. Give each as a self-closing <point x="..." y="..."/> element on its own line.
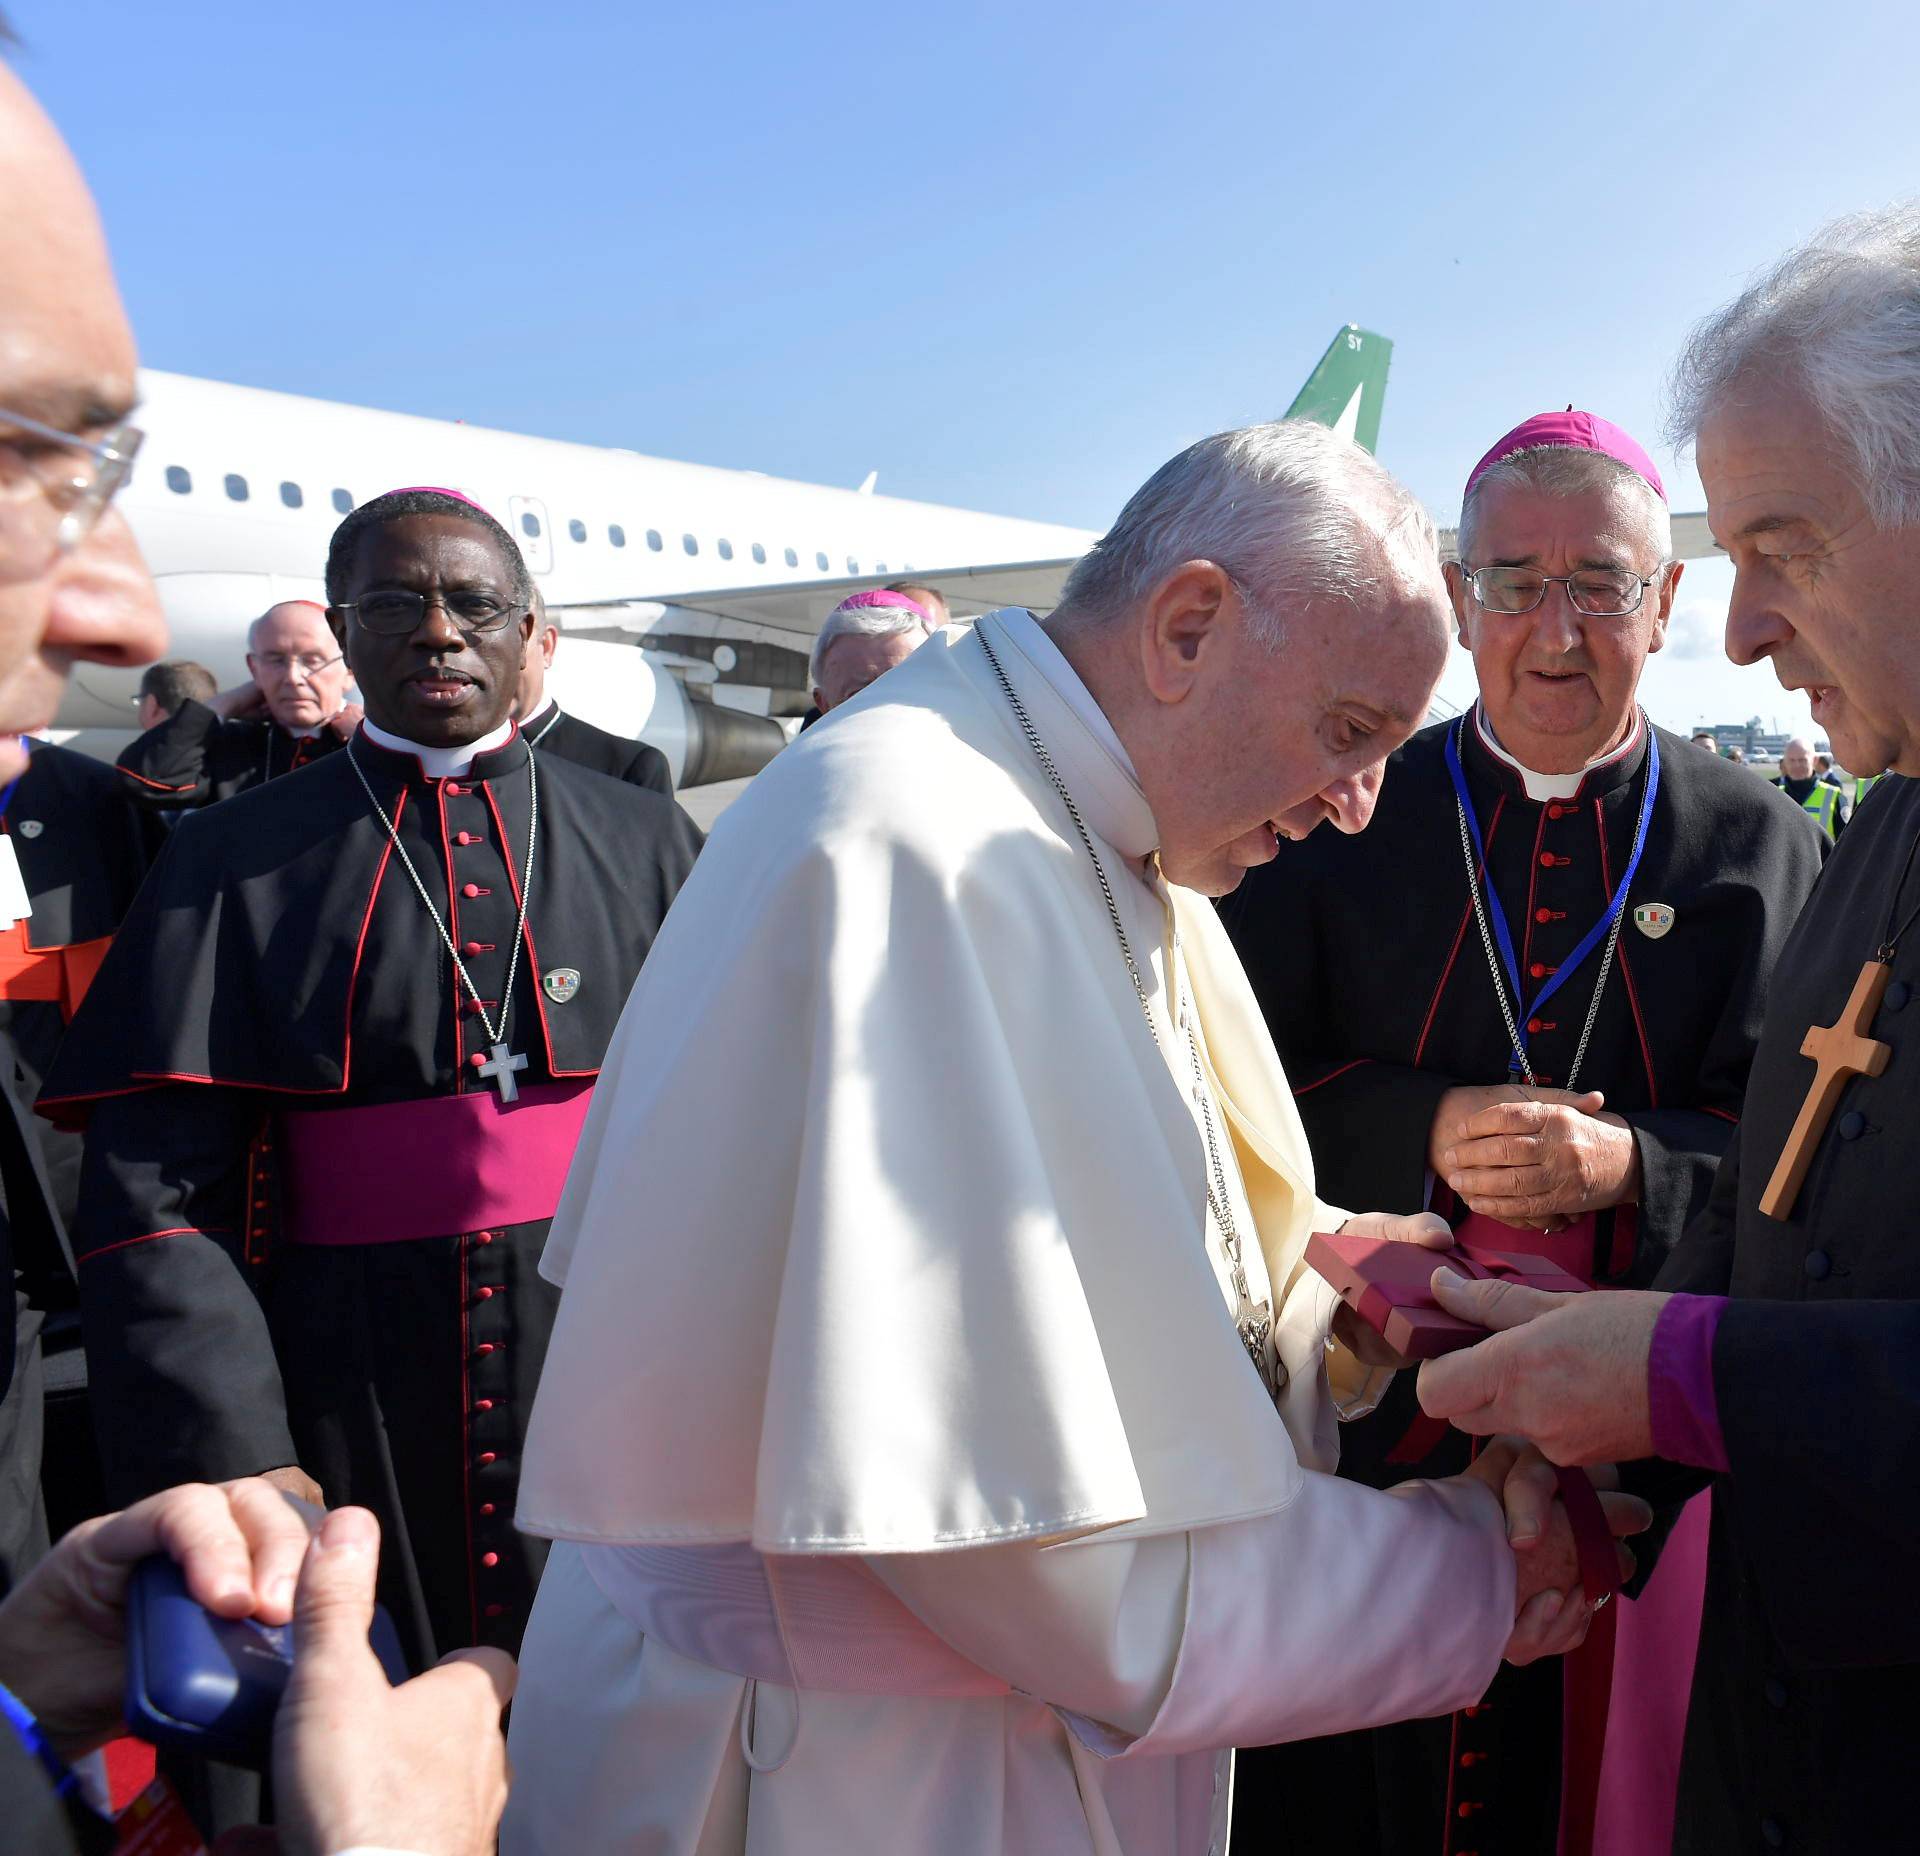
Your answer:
<point x="1681" y="1404"/>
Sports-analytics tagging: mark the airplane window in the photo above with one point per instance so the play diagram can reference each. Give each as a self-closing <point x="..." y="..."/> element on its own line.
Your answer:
<point x="290" y="495"/>
<point x="343" y="502"/>
<point x="793" y="559"/>
<point x="821" y="561"/>
<point x="577" y="529"/>
<point x="179" y="480"/>
<point x="616" y="534"/>
<point x="237" y="486"/>
<point x="688" y="542"/>
<point x="759" y="554"/>
<point x="653" y="540"/>
<point x="879" y="567"/>
<point x="530" y="524"/>
<point x="726" y="549"/>
<point x="853" y="566"/>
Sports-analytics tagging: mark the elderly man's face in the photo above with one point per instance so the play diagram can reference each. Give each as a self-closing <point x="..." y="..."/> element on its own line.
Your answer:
<point x="1832" y="598"/>
<point x="1254" y="745"/>
<point x="66" y="360"/>
<point x="856" y="659"/>
<point x="1556" y="684"/>
<point x="297" y="663"/>
<point x="1796" y="761"/>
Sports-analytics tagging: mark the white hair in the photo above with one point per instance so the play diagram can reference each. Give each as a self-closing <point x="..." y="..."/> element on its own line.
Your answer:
<point x="1566" y="470"/>
<point x="1291" y="510"/>
<point x="863" y="622"/>
<point x="1839" y="316"/>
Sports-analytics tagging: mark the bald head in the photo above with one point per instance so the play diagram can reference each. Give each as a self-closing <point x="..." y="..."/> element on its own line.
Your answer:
<point x="1796" y="758"/>
<point x="67" y="361"/>
<point x="295" y="659"/>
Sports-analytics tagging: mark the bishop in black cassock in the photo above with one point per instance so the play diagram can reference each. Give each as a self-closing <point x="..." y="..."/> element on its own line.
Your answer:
<point x="549" y="726"/>
<point x="1781" y="1354"/>
<point x="1367" y="956"/>
<point x="324" y="1142"/>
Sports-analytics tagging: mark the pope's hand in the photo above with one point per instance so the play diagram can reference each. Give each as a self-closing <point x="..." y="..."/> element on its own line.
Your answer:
<point x="1366" y="1344"/>
<point x="1567" y="1371"/>
<point x="1551" y="1611"/>
<point x="346" y="719"/>
<point x="243" y="703"/>
<point x="1534" y="1155"/>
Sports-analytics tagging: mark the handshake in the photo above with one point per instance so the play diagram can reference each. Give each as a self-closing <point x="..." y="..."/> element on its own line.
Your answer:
<point x="1523" y="1381"/>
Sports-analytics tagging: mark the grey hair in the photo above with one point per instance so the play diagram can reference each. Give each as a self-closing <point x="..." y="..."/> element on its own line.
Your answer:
<point x="1841" y="316"/>
<point x="1566" y="470"/>
<point x="862" y="622"/>
<point x="1290" y="509"/>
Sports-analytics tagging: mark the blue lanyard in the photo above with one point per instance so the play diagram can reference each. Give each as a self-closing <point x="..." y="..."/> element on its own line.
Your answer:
<point x="1594" y="935"/>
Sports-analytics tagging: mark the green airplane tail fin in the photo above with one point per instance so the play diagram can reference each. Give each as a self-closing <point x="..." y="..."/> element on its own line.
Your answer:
<point x="1349" y="386"/>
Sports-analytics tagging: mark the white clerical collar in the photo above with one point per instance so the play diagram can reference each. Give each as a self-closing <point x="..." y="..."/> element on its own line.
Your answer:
<point x="1554" y="785"/>
<point x="1084" y="746"/>
<point x="303" y="734"/>
<point x="535" y="713"/>
<point x="439" y="763"/>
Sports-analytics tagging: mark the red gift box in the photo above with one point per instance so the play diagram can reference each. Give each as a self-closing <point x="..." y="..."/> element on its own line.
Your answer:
<point x="1388" y="1286"/>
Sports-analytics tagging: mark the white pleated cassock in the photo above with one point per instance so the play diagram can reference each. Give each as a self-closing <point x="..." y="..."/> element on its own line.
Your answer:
<point x="911" y="1488"/>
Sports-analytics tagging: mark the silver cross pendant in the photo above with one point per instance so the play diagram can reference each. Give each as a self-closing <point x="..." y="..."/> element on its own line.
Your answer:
<point x="499" y="1069"/>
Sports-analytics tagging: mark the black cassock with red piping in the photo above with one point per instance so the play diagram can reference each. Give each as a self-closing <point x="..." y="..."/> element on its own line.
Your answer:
<point x="1368" y="961"/>
<point x="309" y="1222"/>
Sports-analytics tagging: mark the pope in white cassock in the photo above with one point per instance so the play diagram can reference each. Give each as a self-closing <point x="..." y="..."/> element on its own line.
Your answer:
<point x="939" y="1426"/>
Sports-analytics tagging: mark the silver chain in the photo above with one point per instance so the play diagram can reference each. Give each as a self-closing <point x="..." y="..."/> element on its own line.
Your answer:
<point x="1218" y="1201"/>
<point x="1499" y="974"/>
<point x="494" y="1036"/>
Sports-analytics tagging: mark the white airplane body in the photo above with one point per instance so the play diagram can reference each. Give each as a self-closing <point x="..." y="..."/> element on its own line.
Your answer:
<point x="720" y="576"/>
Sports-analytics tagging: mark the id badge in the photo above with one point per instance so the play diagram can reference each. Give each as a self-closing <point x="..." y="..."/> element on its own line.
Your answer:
<point x="14" y="905"/>
<point x="156" y="1824"/>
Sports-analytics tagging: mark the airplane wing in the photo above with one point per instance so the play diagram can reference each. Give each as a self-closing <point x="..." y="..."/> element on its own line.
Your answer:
<point x="796" y="609"/>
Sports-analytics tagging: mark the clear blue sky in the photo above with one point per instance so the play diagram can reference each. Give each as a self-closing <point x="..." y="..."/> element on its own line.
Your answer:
<point x="1011" y="256"/>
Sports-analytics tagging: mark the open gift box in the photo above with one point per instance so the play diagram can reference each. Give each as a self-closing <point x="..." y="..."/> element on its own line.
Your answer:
<point x="1388" y="1286"/>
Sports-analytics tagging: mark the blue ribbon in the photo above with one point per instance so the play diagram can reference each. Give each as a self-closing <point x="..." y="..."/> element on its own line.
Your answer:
<point x="1594" y="935"/>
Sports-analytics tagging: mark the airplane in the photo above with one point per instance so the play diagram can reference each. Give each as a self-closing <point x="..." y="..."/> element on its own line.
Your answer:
<point x="688" y="596"/>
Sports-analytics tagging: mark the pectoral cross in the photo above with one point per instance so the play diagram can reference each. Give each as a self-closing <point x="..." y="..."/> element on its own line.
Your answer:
<point x="499" y="1069"/>
<point x="1840" y="1051"/>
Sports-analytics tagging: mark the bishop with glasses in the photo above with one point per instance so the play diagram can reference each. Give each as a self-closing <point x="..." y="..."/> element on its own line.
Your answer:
<point x="334" y="1068"/>
<point x="1548" y="1043"/>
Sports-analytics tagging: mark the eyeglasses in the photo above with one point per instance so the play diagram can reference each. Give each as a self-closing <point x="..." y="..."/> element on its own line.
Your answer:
<point x="54" y="487"/>
<point x="397" y="614"/>
<point x="282" y="663"/>
<point x="1599" y="592"/>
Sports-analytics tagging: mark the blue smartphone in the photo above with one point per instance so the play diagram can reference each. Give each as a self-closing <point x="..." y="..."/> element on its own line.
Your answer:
<point x="210" y="1685"/>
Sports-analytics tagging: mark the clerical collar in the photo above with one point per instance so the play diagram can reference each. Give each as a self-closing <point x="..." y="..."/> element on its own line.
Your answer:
<point x="439" y="763"/>
<point x="536" y="712"/>
<point x="302" y="734"/>
<point x="1541" y="786"/>
<point x="1089" y="754"/>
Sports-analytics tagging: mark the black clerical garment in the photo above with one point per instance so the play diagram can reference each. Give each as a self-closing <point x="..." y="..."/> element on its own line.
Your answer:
<point x="1806" y="1696"/>
<point x="310" y="1225"/>
<point x="1366" y="957"/>
<point x="196" y="757"/>
<point x="557" y="732"/>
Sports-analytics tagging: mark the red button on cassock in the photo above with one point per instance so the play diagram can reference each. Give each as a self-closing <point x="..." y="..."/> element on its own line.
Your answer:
<point x="1533" y="1026"/>
<point x="483" y="1404"/>
<point x="494" y="1611"/>
<point x="486" y="1347"/>
<point x="483" y="1237"/>
<point x="489" y="1559"/>
<point x="478" y="1058"/>
<point x="473" y="949"/>
<point x="486" y="1507"/>
<point x="1540" y="970"/>
<point x="486" y="1457"/>
<point x="1552" y="812"/>
<point x="470" y="890"/>
<point x="464" y="838"/>
<point x="484" y="1293"/>
<point x="1543" y="915"/>
<point x="453" y="791"/>
<point x="1546" y="863"/>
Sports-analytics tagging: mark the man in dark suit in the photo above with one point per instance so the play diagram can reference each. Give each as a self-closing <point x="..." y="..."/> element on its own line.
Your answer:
<point x="549" y="728"/>
<point x="1777" y="1353"/>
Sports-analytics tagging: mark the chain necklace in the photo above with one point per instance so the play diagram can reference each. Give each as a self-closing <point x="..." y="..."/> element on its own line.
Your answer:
<point x="1500" y="979"/>
<point x="502" y="1063"/>
<point x="1252" y="1320"/>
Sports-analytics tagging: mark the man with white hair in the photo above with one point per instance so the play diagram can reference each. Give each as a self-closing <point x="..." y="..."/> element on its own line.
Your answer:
<point x="863" y="638"/>
<point x="1551" y="1052"/>
<point x="1780" y="1352"/>
<point x="1801" y="780"/>
<point x="292" y="709"/>
<point x="960" y="1483"/>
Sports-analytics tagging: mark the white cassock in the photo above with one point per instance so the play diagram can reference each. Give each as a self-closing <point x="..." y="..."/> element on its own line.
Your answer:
<point x="913" y="1489"/>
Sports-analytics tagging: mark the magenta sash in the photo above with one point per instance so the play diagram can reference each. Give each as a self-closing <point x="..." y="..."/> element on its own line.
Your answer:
<point x="446" y="1165"/>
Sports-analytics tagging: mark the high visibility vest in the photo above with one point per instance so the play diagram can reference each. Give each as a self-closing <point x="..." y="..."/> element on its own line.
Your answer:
<point x="1861" y="788"/>
<point x="1823" y="802"/>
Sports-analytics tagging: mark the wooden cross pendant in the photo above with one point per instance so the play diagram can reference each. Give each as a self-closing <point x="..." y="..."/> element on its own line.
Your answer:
<point x="1840" y="1051"/>
<point x="499" y="1069"/>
